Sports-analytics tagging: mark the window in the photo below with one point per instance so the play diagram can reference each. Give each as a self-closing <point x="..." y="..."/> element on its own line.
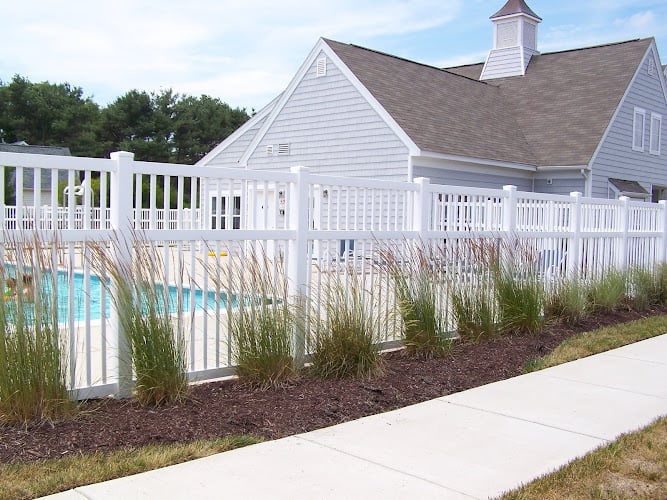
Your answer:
<point x="221" y="218"/>
<point x="322" y="66"/>
<point x="656" y="134"/>
<point x="638" y="125"/>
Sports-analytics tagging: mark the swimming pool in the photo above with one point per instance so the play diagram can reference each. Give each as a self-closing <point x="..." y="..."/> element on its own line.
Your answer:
<point x="94" y="295"/>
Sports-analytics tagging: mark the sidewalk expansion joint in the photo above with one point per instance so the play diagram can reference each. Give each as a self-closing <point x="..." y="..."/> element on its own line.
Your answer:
<point x="602" y="386"/>
<point x="521" y="419"/>
<point x="384" y="466"/>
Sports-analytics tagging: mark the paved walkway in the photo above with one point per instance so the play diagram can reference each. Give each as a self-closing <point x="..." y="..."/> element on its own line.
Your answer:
<point x="473" y="444"/>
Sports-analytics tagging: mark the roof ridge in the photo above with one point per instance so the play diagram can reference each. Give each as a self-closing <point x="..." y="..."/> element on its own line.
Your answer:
<point x="399" y="58"/>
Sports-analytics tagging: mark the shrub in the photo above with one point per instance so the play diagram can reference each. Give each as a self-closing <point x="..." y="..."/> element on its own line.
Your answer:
<point x="567" y="302"/>
<point x="418" y="287"/>
<point x="645" y="288"/>
<point x="608" y="292"/>
<point x="473" y="311"/>
<point x="345" y="341"/>
<point x="33" y="363"/>
<point x="472" y="298"/>
<point x="518" y="290"/>
<point x="262" y="327"/>
<point x="145" y="313"/>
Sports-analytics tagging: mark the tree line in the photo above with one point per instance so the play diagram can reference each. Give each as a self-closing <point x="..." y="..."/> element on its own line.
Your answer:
<point x="163" y="126"/>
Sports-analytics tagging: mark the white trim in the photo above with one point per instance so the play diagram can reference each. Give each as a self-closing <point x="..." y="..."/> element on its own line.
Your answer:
<point x="482" y="161"/>
<point x="555" y="168"/>
<point x="652" y="149"/>
<point x="636" y="145"/>
<point x="622" y="102"/>
<point x="230" y="139"/>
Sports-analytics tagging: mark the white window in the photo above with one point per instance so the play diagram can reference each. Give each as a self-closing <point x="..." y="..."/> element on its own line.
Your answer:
<point x="656" y="134"/>
<point x="638" y="125"/>
<point x="322" y="66"/>
<point x="224" y="216"/>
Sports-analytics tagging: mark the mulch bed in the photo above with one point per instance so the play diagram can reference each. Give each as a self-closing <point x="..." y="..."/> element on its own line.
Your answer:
<point x="225" y="408"/>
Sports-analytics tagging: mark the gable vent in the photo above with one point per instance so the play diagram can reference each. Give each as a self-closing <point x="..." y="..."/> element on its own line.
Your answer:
<point x="269" y="150"/>
<point x="283" y="149"/>
<point x="651" y="66"/>
<point x="322" y="66"/>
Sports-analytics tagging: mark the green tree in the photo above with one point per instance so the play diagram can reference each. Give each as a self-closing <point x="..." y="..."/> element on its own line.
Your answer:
<point x="50" y="115"/>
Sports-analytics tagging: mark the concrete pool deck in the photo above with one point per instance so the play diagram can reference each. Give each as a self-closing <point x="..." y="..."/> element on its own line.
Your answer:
<point x="473" y="444"/>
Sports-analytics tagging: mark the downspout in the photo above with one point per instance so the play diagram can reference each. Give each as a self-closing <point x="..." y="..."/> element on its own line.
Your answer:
<point x="588" y="188"/>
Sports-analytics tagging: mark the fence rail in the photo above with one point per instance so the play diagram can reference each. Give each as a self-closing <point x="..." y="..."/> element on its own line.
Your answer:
<point x="317" y="228"/>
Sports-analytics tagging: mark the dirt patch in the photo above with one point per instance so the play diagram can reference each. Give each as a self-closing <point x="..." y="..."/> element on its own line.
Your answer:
<point x="226" y="408"/>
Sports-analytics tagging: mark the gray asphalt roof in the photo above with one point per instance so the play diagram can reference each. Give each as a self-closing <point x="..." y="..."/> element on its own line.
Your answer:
<point x="554" y="115"/>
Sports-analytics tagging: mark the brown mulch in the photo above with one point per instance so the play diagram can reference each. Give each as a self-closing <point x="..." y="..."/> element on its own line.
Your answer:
<point x="225" y="408"/>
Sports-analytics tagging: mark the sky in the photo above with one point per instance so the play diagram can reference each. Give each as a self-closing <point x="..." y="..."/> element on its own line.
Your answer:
<point x="246" y="52"/>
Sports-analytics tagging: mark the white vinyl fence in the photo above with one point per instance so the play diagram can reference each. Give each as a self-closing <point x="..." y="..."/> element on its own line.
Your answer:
<point x="317" y="228"/>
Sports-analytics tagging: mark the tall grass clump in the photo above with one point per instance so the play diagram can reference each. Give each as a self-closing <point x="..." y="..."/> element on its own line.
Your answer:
<point x="567" y="302"/>
<point x="420" y="290"/>
<point x="519" y="292"/>
<point x="262" y="327"/>
<point x="140" y="294"/>
<point x="33" y="360"/>
<point x="472" y="297"/>
<point x="609" y="292"/>
<point x="644" y="288"/>
<point x="345" y="333"/>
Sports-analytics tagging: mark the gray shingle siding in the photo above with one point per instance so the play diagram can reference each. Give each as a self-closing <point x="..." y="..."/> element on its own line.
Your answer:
<point x="471" y="178"/>
<point x="230" y="156"/>
<point x="616" y="157"/>
<point x="330" y="127"/>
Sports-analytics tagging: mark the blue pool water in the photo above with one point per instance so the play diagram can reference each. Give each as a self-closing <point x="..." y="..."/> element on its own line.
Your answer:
<point x="80" y="293"/>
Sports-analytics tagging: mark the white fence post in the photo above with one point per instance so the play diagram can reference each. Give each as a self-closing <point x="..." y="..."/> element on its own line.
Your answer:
<point x="121" y="223"/>
<point x="421" y="213"/>
<point x="298" y="258"/>
<point x="625" y="228"/>
<point x="573" y="251"/>
<point x="662" y="253"/>
<point x="509" y="211"/>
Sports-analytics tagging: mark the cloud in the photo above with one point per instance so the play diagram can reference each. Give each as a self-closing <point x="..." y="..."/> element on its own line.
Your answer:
<point x="229" y="49"/>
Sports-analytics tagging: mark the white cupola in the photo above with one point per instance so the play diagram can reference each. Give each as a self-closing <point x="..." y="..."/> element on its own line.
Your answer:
<point x="514" y="41"/>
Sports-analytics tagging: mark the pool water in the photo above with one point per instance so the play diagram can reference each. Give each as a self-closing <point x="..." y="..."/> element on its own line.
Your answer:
<point x="94" y="294"/>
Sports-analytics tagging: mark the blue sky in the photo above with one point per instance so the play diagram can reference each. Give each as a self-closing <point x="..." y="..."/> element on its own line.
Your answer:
<point x="246" y="52"/>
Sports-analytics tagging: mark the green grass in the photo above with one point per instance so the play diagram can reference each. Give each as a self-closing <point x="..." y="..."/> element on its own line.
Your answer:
<point x="46" y="477"/>
<point x="645" y="288"/>
<point x="157" y="349"/>
<point x="33" y="363"/>
<point x="633" y="466"/>
<point x="345" y="342"/>
<point x="601" y="340"/>
<point x="473" y="311"/>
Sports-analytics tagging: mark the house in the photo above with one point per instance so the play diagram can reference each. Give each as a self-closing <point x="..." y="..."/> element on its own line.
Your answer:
<point x="29" y="195"/>
<point x="586" y="119"/>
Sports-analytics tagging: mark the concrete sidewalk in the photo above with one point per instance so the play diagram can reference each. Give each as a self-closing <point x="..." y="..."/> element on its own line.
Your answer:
<point x="473" y="444"/>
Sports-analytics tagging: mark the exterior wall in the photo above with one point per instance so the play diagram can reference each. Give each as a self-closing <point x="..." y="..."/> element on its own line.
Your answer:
<point x="560" y="184"/>
<point x="461" y="174"/>
<point x="229" y="157"/>
<point x="331" y="128"/>
<point x="616" y="158"/>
